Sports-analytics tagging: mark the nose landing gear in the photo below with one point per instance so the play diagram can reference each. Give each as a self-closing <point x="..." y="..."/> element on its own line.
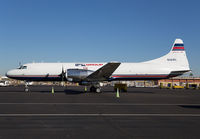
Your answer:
<point x="26" y="87"/>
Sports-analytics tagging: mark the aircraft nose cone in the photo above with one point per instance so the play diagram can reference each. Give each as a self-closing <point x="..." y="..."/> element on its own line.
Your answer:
<point x="9" y="73"/>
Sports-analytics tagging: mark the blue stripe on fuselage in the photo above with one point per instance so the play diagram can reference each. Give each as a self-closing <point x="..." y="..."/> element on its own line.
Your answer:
<point x="37" y="78"/>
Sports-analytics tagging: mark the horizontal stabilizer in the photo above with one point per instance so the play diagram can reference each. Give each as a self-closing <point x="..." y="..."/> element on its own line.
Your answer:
<point x="178" y="73"/>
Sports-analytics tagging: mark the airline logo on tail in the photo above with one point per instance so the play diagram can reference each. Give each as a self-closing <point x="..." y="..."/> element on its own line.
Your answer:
<point x="178" y="45"/>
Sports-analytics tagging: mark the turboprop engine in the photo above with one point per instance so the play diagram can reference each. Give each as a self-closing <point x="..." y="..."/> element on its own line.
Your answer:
<point x="77" y="75"/>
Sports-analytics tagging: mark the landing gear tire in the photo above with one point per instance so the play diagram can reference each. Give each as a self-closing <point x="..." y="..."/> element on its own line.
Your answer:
<point x="26" y="87"/>
<point x="98" y="90"/>
<point x="95" y="89"/>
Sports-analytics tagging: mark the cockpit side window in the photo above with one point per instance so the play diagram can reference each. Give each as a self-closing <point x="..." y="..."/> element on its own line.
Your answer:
<point x="22" y="67"/>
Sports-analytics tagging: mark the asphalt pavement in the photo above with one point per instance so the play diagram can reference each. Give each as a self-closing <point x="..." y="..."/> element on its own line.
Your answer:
<point x="72" y="113"/>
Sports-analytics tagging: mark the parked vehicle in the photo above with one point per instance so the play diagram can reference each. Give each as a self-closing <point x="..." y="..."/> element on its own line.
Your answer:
<point x="4" y="83"/>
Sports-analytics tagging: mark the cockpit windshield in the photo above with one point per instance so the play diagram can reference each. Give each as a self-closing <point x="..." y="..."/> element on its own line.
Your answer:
<point x="22" y="67"/>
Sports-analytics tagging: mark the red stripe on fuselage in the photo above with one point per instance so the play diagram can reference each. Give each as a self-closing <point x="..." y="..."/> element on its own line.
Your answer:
<point x="136" y="76"/>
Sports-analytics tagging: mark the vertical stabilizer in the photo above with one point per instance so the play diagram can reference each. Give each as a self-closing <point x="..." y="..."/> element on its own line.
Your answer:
<point x="176" y="59"/>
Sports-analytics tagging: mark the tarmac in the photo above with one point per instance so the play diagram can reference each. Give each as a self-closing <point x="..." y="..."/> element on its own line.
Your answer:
<point x="144" y="113"/>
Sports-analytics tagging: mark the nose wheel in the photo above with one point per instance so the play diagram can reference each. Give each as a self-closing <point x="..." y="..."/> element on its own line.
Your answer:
<point x="26" y="87"/>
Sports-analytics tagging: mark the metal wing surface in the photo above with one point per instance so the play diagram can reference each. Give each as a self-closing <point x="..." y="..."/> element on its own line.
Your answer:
<point x="103" y="73"/>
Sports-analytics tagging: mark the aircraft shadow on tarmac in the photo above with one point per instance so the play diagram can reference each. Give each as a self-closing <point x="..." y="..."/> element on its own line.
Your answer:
<point x="139" y="92"/>
<point x="74" y="91"/>
<point x="190" y="106"/>
<point x="70" y="90"/>
<point x="66" y="91"/>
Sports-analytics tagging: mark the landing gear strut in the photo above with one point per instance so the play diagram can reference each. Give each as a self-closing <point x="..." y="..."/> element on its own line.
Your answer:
<point x="26" y="87"/>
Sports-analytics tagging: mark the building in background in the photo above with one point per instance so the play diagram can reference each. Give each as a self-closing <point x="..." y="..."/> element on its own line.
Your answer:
<point x="180" y="81"/>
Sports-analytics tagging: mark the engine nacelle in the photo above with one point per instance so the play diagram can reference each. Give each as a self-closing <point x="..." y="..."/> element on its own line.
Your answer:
<point x="77" y="75"/>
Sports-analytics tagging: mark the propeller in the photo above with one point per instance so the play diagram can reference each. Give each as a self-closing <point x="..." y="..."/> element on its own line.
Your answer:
<point x="62" y="75"/>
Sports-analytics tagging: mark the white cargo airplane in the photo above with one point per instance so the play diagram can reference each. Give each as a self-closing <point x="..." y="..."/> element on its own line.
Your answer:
<point x="173" y="64"/>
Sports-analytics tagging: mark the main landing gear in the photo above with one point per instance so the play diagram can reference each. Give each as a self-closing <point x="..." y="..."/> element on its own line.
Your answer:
<point x="95" y="88"/>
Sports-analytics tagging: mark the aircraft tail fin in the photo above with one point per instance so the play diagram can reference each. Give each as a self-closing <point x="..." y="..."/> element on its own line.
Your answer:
<point x="176" y="59"/>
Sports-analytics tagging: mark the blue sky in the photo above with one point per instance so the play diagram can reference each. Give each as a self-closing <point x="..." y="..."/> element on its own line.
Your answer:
<point x="96" y="30"/>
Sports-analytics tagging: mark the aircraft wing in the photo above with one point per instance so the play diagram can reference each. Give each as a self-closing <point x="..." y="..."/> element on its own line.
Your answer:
<point x="104" y="72"/>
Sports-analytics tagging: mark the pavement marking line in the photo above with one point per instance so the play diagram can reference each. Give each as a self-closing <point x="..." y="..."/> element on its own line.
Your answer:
<point x="104" y="104"/>
<point x="96" y="115"/>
